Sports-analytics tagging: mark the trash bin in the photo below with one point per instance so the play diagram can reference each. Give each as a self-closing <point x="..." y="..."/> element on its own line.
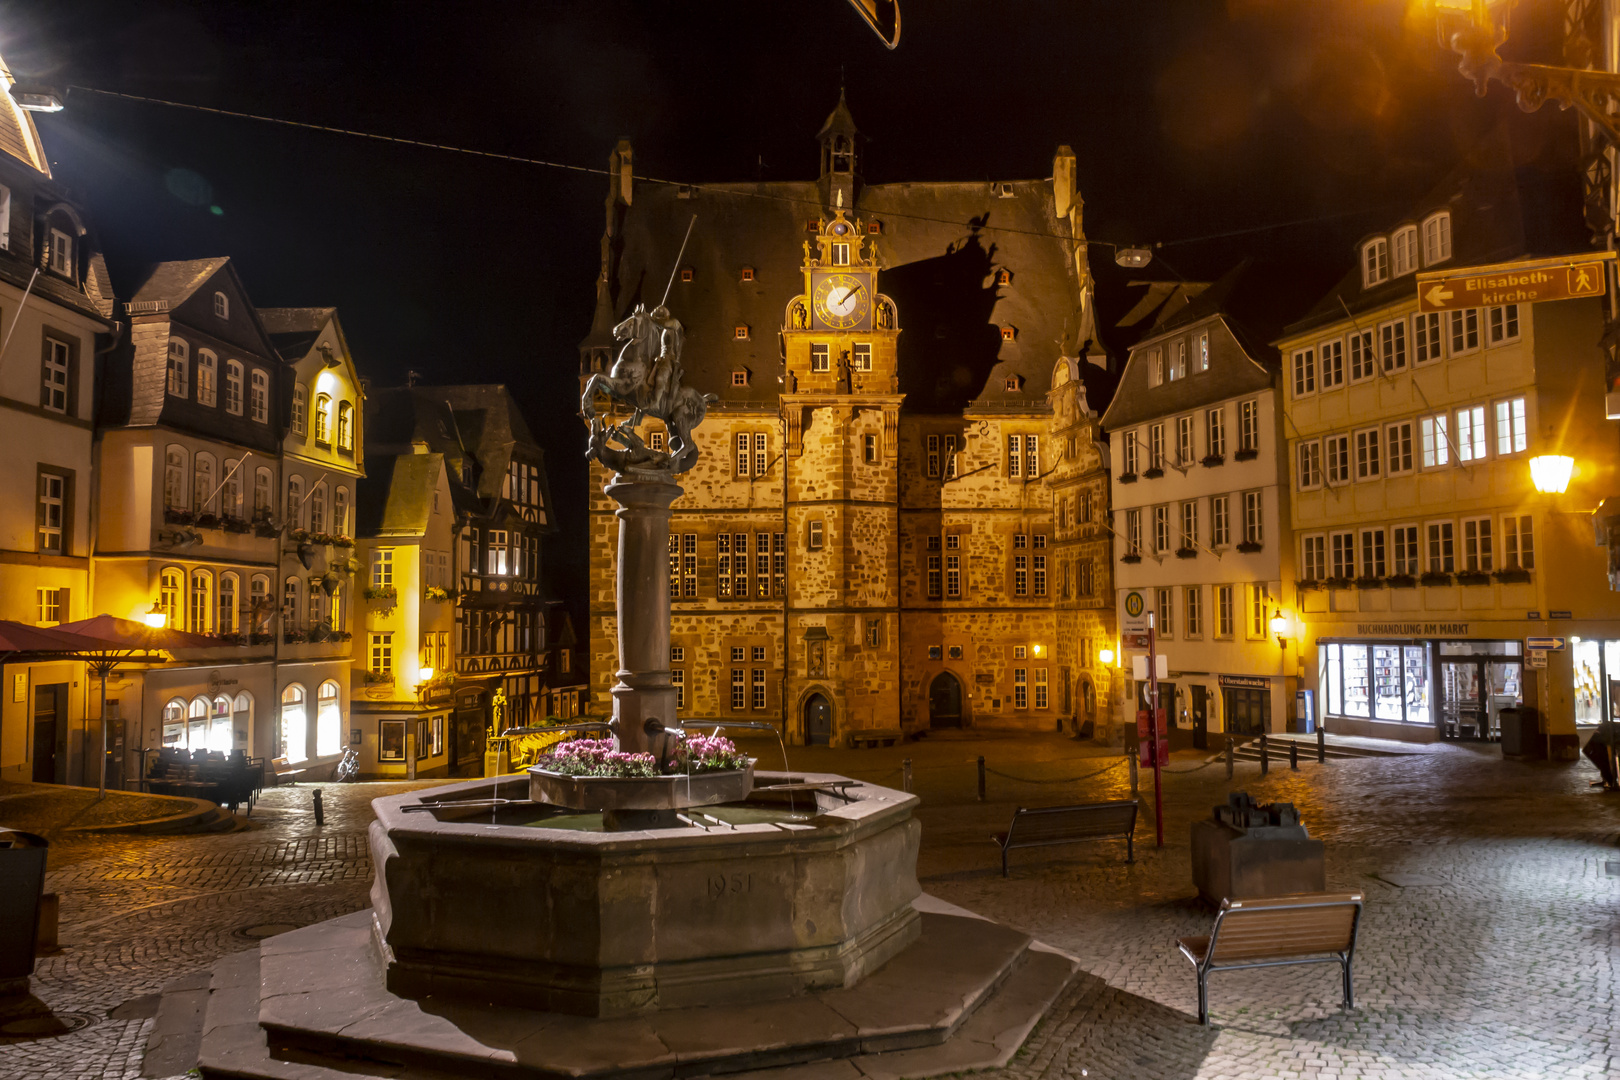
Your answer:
<point x="22" y="882"/>
<point x="1521" y="732"/>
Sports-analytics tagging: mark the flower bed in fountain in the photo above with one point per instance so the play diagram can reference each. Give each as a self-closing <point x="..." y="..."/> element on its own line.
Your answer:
<point x="592" y="774"/>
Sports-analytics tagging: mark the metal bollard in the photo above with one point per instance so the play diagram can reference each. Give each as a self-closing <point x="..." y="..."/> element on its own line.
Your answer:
<point x="1321" y="744"/>
<point x="1265" y="758"/>
<point x="1134" y="778"/>
<point x="905" y="775"/>
<point x="320" y="811"/>
<point x="1293" y="755"/>
<point x="981" y="778"/>
<point x="1229" y="757"/>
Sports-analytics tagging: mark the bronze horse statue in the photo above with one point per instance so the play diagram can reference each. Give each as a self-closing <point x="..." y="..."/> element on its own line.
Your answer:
<point x="646" y="376"/>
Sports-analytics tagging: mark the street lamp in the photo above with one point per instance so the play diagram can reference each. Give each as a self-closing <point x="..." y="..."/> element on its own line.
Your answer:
<point x="1106" y="657"/>
<point x="424" y="674"/>
<point x="1550" y="473"/>
<point x="36" y="97"/>
<point x="1279" y="628"/>
<point x="157" y="618"/>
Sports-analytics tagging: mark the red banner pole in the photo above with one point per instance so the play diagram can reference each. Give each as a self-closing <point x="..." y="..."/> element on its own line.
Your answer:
<point x="1153" y="732"/>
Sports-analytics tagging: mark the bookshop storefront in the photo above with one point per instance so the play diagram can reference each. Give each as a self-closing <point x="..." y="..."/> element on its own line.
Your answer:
<point x="1418" y="689"/>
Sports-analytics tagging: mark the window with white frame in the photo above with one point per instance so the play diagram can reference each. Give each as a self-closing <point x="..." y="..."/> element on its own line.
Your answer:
<point x="1332" y="362"/>
<point x="861" y="357"/>
<point x="1427" y="344"/>
<point x="1372" y="553"/>
<point x="1189" y="524"/>
<point x="1310" y="465"/>
<point x="1184" y="440"/>
<point x="1253" y="518"/>
<point x="1518" y="543"/>
<point x="233" y="388"/>
<point x="1434" y="432"/>
<point x="950" y="456"/>
<point x="931" y="444"/>
<point x="869" y="449"/>
<point x="51" y="513"/>
<point x="745" y="456"/>
<point x="207" y="368"/>
<point x="1392" y="344"/>
<point x="53" y="391"/>
<point x="1161" y="529"/>
<point x="1133" y="532"/>
<point x="1363" y="355"/>
<point x="1155" y="359"/>
<point x="1477" y="548"/>
<point x="1336" y="449"/>
<point x="1437" y="238"/>
<point x="1256" y="607"/>
<point x="1249" y="426"/>
<point x="820" y="357"/>
<point x="1398" y="448"/>
<point x="1020" y="688"/>
<point x="1464" y="330"/>
<point x="1374" y="262"/>
<point x="1166" y="611"/>
<point x="1512" y="432"/>
<point x="1502" y="324"/>
<point x="1405" y="243"/>
<point x="61" y="253"/>
<point x="174" y="479"/>
<point x="1342" y="555"/>
<point x="1304" y="372"/>
<point x="1193" y="608"/>
<point x="1471" y="445"/>
<point x="1403" y="542"/>
<point x="1313" y="557"/>
<point x="1225" y="616"/>
<point x="179" y="365"/>
<point x="382" y="568"/>
<point x="1178" y="360"/>
<point x="1368" y="466"/>
<point x="1155" y="447"/>
<point x="5" y="218"/>
<point x="259" y="398"/>
<point x="382" y="654"/>
<point x="1015" y="455"/>
<point x="1215" y="431"/>
<point x="222" y="305"/>
<point x="1129" y="443"/>
<point x="1442" y="544"/>
<point x="1220" y="520"/>
<point x="953" y="574"/>
<point x="1201" y="351"/>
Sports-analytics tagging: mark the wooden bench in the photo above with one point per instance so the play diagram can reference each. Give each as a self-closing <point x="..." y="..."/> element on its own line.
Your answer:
<point x="1046" y="825"/>
<point x="1306" y="928"/>
<point x="874" y="737"/>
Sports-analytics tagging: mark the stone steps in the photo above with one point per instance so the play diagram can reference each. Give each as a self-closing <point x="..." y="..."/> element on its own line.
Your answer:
<point x="964" y="996"/>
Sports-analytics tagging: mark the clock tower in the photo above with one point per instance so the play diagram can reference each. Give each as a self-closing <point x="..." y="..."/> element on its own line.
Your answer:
<point x="841" y="413"/>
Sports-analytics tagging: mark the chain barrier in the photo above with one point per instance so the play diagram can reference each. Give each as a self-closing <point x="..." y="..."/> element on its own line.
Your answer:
<point x="1058" y="780"/>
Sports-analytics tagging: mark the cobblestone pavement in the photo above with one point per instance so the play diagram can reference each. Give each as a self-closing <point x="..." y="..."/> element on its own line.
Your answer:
<point x="1499" y="957"/>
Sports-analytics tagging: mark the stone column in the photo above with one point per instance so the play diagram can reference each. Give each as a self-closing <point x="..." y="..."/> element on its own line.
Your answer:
<point x="642" y="690"/>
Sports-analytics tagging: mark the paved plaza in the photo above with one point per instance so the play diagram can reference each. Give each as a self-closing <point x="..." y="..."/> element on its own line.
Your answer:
<point x="1490" y="945"/>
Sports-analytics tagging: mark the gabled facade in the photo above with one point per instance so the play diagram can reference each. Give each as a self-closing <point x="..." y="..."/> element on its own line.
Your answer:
<point x="56" y="314"/>
<point x="1425" y="556"/>
<point x="188" y="464"/>
<point x="1200" y="511"/>
<point x="867" y="541"/>
<point x="404" y="658"/>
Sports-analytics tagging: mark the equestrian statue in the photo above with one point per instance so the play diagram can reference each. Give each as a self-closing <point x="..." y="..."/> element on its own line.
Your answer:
<point x="646" y="376"/>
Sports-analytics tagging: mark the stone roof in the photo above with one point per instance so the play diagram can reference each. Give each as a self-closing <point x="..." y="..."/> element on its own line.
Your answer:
<point x="295" y="330"/>
<point x="173" y="282"/>
<point x="18" y="136"/>
<point x="939" y="249"/>
<point x="395" y="498"/>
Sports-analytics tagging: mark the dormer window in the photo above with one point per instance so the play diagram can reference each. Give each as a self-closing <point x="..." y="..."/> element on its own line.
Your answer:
<point x="874" y="228"/>
<point x="739" y="377"/>
<point x="61" y="253"/>
<point x="740" y="333"/>
<point x="686" y="273"/>
<point x="1004" y="277"/>
<point x="1014" y="383"/>
<point x="812" y="226"/>
<point x="840" y="254"/>
<point x="1008" y="333"/>
<point x="748" y="273"/>
<point x="1002" y="191"/>
<point x="1437" y="238"/>
<point x="222" y="306"/>
<point x="1405" y="242"/>
<point x="1374" y="262"/>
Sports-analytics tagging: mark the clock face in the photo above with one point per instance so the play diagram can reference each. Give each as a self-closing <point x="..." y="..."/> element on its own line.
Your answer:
<point x="842" y="301"/>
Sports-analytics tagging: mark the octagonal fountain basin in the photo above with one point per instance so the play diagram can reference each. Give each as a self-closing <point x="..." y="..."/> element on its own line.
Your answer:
<point x="482" y="894"/>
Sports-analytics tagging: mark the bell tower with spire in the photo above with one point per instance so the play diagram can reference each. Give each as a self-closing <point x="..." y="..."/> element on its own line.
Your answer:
<point x="839" y="175"/>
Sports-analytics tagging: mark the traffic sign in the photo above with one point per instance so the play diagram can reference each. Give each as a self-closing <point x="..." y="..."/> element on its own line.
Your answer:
<point x="1527" y="282"/>
<point x="1544" y="644"/>
<point x="1136" y="613"/>
<point x="1136" y="641"/>
<point x="1139" y="667"/>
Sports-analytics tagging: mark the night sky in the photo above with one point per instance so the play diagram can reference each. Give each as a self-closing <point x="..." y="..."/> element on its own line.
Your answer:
<point x="1190" y="118"/>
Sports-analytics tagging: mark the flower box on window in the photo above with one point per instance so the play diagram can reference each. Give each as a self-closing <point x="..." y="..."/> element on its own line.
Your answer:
<point x="293" y="637"/>
<point x="379" y="678"/>
<point x="1127" y="478"/>
<point x="1248" y="454"/>
<point x="207" y="521"/>
<point x="265" y="528"/>
<point x="436" y="594"/>
<point x="1401" y="581"/>
<point x="1369" y="582"/>
<point x="1186" y="553"/>
<point x="1431" y="577"/>
<point x="343" y="541"/>
<point x="1212" y="460"/>
<point x="1308" y="585"/>
<point x="1249" y="547"/>
<point x="1152" y="474"/>
<point x="299" y="536"/>
<point x="1513" y="577"/>
<point x="385" y="592"/>
<point x="1473" y="577"/>
<point x="1130" y="558"/>
<point x="1337" y="583"/>
<point x="236" y="525"/>
<point x="174" y="516"/>
<point x="322" y="538"/>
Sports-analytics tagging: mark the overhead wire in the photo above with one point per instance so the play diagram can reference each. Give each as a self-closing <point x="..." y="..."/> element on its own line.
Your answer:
<point x="713" y="189"/>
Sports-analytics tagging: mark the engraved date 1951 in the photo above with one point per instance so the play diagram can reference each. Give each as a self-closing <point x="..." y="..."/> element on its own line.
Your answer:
<point x="723" y="885"/>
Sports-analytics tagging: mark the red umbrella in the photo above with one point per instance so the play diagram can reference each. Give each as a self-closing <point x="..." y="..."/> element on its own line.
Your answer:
<point x="21" y="637"/>
<point x="111" y="632"/>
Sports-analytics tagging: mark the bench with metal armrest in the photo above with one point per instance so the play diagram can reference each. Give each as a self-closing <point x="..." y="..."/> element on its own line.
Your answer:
<point x="1045" y="825"/>
<point x="1305" y="928"/>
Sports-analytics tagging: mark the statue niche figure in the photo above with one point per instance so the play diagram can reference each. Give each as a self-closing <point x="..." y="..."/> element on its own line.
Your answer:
<point x="647" y="378"/>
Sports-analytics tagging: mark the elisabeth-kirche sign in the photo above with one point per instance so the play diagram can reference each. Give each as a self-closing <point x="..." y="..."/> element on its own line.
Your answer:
<point x="1413" y="629"/>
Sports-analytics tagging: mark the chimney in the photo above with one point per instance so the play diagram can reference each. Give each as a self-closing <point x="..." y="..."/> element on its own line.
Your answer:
<point x="418" y="446"/>
<point x="620" y="166"/>
<point x="1063" y="181"/>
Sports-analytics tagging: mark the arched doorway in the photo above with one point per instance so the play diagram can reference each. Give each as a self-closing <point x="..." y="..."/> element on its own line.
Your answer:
<point x="945" y="701"/>
<point x="1088" y="699"/>
<point x="817" y="721"/>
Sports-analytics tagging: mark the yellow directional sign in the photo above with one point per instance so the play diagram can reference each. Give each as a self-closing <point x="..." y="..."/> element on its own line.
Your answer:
<point x="1531" y="281"/>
